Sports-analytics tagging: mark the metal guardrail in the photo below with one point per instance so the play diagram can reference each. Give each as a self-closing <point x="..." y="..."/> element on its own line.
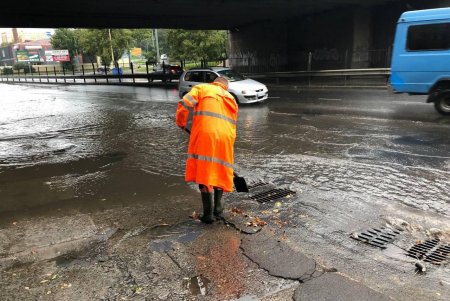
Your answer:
<point x="325" y="73"/>
<point x="371" y="77"/>
<point x="340" y="77"/>
<point x="125" y="79"/>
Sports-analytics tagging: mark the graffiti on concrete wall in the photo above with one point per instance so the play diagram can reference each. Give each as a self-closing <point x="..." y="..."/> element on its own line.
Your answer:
<point x="360" y="54"/>
<point x="325" y="54"/>
<point x="244" y="58"/>
<point x="252" y="58"/>
<point x="276" y="59"/>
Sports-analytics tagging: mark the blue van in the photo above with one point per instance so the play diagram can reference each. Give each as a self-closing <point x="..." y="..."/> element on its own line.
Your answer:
<point x="421" y="56"/>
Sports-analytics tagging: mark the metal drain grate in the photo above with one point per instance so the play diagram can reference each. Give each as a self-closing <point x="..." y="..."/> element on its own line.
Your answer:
<point x="377" y="237"/>
<point x="430" y="251"/>
<point x="257" y="184"/>
<point x="271" y="195"/>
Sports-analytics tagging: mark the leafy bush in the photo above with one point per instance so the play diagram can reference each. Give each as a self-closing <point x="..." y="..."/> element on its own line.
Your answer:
<point x="23" y="66"/>
<point x="7" y="71"/>
<point x="20" y="65"/>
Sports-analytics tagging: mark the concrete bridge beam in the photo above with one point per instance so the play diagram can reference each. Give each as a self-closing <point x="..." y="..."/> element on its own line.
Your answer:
<point x="362" y="36"/>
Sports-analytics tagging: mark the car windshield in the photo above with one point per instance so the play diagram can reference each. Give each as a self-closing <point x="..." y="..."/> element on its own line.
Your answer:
<point x="231" y="75"/>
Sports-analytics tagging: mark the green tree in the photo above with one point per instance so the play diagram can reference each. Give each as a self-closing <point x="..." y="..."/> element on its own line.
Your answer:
<point x="97" y="42"/>
<point x="197" y="44"/>
<point x="145" y="39"/>
<point x="163" y="41"/>
<point x="65" y="38"/>
<point x="142" y="38"/>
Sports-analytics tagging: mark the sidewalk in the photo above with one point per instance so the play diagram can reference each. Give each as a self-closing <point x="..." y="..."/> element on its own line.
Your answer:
<point x="294" y="248"/>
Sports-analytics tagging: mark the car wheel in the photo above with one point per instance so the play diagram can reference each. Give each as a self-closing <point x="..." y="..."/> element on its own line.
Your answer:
<point x="442" y="102"/>
<point x="235" y="98"/>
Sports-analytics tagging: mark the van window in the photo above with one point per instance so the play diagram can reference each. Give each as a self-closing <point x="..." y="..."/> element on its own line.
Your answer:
<point x="429" y="37"/>
<point x="194" y="76"/>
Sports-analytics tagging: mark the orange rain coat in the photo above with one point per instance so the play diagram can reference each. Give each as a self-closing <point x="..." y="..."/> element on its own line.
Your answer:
<point x="210" y="113"/>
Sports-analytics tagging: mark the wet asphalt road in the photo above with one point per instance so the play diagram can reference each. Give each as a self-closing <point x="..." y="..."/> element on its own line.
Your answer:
<point x="93" y="147"/>
<point x="92" y="192"/>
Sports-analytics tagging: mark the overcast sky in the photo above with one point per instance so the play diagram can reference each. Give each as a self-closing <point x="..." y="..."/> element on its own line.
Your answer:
<point x="29" y="29"/>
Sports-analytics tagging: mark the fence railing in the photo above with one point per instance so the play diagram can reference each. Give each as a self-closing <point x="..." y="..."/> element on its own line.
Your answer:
<point x="145" y="76"/>
<point x="91" y="74"/>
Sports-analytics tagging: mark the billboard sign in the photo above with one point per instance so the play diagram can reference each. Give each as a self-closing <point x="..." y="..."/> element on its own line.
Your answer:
<point x="57" y="56"/>
<point x="61" y="55"/>
<point x="33" y="56"/>
<point x="48" y="56"/>
<point x="22" y="56"/>
<point x="135" y="53"/>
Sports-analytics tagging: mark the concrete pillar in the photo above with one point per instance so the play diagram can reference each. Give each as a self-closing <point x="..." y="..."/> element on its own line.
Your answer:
<point x="362" y="38"/>
<point x="259" y="47"/>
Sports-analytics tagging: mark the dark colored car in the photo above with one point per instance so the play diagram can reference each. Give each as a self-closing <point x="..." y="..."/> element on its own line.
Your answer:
<point x="102" y="69"/>
<point x="166" y="73"/>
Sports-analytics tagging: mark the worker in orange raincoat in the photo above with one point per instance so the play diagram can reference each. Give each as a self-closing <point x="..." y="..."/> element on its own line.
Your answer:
<point x="209" y="113"/>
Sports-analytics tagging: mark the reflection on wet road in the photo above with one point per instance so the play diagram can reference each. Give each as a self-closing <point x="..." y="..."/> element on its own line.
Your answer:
<point x="94" y="146"/>
<point x="356" y="141"/>
<point x="87" y="147"/>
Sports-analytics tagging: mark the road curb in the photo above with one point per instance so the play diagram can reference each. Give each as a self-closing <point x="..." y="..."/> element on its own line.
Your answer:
<point x="327" y="87"/>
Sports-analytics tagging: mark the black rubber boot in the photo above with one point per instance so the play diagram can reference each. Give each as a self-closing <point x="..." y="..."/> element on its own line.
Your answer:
<point x="207" y="200"/>
<point x="218" y="203"/>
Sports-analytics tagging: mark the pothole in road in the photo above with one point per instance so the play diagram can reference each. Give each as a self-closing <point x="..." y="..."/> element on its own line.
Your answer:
<point x="163" y="236"/>
<point x="197" y="285"/>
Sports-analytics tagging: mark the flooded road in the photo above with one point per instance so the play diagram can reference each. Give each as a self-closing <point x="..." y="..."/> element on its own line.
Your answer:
<point x="86" y="148"/>
<point x="93" y="203"/>
<point x="92" y="147"/>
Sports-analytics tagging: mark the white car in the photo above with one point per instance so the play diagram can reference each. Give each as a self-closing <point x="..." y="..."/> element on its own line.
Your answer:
<point x="244" y="90"/>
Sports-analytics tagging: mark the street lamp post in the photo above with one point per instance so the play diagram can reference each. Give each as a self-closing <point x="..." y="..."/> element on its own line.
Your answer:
<point x="110" y="43"/>
<point x="157" y="46"/>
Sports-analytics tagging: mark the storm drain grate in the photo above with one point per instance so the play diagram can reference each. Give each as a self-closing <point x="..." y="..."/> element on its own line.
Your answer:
<point x="271" y="195"/>
<point x="377" y="237"/>
<point x="257" y="184"/>
<point x="430" y="251"/>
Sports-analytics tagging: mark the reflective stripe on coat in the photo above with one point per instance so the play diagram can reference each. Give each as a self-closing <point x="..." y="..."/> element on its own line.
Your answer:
<point x="210" y="113"/>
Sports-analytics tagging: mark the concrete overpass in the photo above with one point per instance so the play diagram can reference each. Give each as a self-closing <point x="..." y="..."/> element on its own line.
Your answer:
<point x="267" y="35"/>
<point x="189" y="14"/>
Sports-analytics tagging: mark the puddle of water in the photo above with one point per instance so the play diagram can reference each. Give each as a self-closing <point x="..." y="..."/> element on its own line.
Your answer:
<point x="188" y="237"/>
<point x="409" y="140"/>
<point x="159" y="230"/>
<point x="165" y="235"/>
<point x="197" y="285"/>
<point x="160" y="245"/>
